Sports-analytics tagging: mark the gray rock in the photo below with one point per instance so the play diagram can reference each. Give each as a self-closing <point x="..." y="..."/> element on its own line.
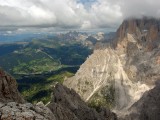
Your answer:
<point x="22" y="112"/>
<point x="8" y="88"/>
<point x="148" y="107"/>
<point x="67" y="105"/>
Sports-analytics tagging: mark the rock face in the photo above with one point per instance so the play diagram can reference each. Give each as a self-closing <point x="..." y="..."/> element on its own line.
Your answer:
<point x="146" y="31"/>
<point x="103" y="77"/>
<point x="117" y="76"/>
<point x="148" y="107"/>
<point x="27" y="111"/>
<point x="67" y="105"/>
<point x="8" y="89"/>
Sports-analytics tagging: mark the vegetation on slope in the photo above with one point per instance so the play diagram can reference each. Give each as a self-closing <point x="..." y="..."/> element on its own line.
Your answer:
<point x="40" y="63"/>
<point x="39" y="87"/>
<point x="105" y="98"/>
<point x="42" y="56"/>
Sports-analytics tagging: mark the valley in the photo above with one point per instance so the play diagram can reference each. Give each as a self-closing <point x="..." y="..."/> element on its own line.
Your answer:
<point x="38" y="64"/>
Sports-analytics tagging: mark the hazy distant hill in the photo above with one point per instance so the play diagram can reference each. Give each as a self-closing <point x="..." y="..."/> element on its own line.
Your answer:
<point x="40" y="56"/>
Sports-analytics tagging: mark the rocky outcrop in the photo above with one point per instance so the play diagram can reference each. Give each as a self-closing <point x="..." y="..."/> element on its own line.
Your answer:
<point x="66" y="104"/>
<point x="14" y="107"/>
<point x="148" y="107"/>
<point x="8" y="89"/>
<point x="146" y="31"/>
<point x="27" y="111"/>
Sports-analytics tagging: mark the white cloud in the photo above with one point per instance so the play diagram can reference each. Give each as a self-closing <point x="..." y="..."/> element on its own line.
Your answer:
<point x="74" y="14"/>
<point x="103" y="14"/>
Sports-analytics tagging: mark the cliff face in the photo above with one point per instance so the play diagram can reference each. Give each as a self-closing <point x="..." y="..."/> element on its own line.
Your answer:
<point x="139" y="26"/>
<point x="118" y="77"/>
<point x="139" y="41"/>
<point x="146" y="31"/>
<point x="148" y="107"/>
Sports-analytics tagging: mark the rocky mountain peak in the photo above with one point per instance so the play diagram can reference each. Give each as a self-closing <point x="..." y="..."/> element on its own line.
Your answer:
<point x="137" y="26"/>
<point x="145" y="32"/>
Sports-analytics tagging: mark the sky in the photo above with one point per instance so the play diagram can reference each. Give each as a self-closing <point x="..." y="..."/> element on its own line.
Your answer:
<point x="21" y="15"/>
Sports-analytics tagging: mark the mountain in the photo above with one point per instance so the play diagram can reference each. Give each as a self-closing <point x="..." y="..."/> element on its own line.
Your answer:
<point x="66" y="104"/>
<point x="118" y="75"/>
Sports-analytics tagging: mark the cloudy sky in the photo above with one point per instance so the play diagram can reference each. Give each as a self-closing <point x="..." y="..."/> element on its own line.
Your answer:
<point x="72" y="14"/>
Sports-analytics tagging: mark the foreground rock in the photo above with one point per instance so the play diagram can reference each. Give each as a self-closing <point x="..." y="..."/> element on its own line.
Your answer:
<point x="67" y="105"/>
<point x="27" y="111"/>
<point x="14" y="107"/>
<point x="148" y="107"/>
<point x="8" y="88"/>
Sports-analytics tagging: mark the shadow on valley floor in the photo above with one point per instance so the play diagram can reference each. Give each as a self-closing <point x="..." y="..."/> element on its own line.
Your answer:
<point x="37" y="87"/>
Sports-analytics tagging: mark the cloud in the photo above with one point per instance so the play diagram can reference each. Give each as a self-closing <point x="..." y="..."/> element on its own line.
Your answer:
<point x="78" y="14"/>
<point x="139" y="8"/>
